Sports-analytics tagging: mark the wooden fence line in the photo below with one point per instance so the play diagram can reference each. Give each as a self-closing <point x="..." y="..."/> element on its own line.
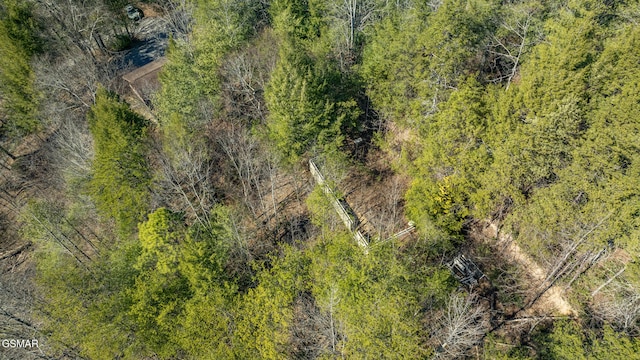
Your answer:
<point x="345" y="213"/>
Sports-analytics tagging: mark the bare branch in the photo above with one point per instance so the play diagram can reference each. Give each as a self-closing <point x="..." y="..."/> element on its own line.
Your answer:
<point x="464" y="325"/>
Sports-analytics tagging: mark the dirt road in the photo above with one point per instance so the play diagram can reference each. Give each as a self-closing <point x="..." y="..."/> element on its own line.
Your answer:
<point x="553" y="296"/>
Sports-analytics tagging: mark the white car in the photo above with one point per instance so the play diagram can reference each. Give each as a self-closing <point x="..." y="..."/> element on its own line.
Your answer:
<point x="133" y="12"/>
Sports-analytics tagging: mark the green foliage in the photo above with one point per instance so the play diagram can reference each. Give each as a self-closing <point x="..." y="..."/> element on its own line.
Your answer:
<point x="160" y="290"/>
<point x="296" y="19"/>
<point x="373" y="299"/>
<point x="88" y="309"/>
<point x="546" y="146"/>
<point x="220" y="26"/>
<point x="388" y="65"/>
<point x="121" y="42"/>
<point x="558" y="69"/>
<point x="567" y="341"/>
<point x="178" y="99"/>
<point x="18" y="43"/>
<point x="313" y="103"/>
<point x="592" y="172"/>
<point x="206" y="331"/>
<point x="297" y="114"/>
<point x="609" y="159"/>
<point x="208" y="315"/>
<point x="410" y="63"/>
<point x="20" y="25"/>
<point x="320" y="207"/>
<point x="160" y="295"/>
<point x="160" y="237"/>
<point x="445" y="175"/>
<point x="456" y="32"/>
<point x="181" y="271"/>
<point x="306" y="108"/>
<point x="613" y="345"/>
<point x="265" y="314"/>
<point x="540" y="121"/>
<point x="120" y="182"/>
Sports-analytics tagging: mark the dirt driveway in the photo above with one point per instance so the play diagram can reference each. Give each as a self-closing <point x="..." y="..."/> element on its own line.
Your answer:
<point x="553" y="297"/>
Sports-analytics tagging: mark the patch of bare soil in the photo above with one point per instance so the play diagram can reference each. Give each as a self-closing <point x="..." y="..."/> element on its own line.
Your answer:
<point x="150" y="10"/>
<point x="399" y="136"/>
<point x="376" y="195"/>
<point x="553" y="297"/>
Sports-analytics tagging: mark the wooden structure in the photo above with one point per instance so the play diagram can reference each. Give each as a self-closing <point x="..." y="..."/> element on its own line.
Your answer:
<point x="401" y="234"/>
<point x="144" y="79"/>
<point x="465" y="270"/>
<point x="345" y="213"/>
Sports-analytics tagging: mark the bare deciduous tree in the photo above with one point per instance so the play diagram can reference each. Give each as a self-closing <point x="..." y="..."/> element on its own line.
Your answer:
<point x="350" y="18"/>
<point x="185" y="182"/>
<point x="462" y="327"/>
<point x="257" y="170"/>
<point x="17" y="303"/>
<point x="179" y="15"/>
<point x="243" y="87"/>
<point x="73" y="80"/>
<point x="577" y="253"/>
<point x="75" y="22"/>
<point x="245" y="76"/>
<point x="74" y="149"/>
<point x="619" y="304"/>
<point x="388" y="214"/>
<point x="314" y="332"/>
<point x="518" y="37"/>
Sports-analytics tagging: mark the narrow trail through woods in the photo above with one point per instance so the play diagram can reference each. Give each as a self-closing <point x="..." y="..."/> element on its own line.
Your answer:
<point x="553" y="296"/>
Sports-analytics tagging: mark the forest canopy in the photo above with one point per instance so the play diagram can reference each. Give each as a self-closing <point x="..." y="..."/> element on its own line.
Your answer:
<point x="321" y="179"/>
